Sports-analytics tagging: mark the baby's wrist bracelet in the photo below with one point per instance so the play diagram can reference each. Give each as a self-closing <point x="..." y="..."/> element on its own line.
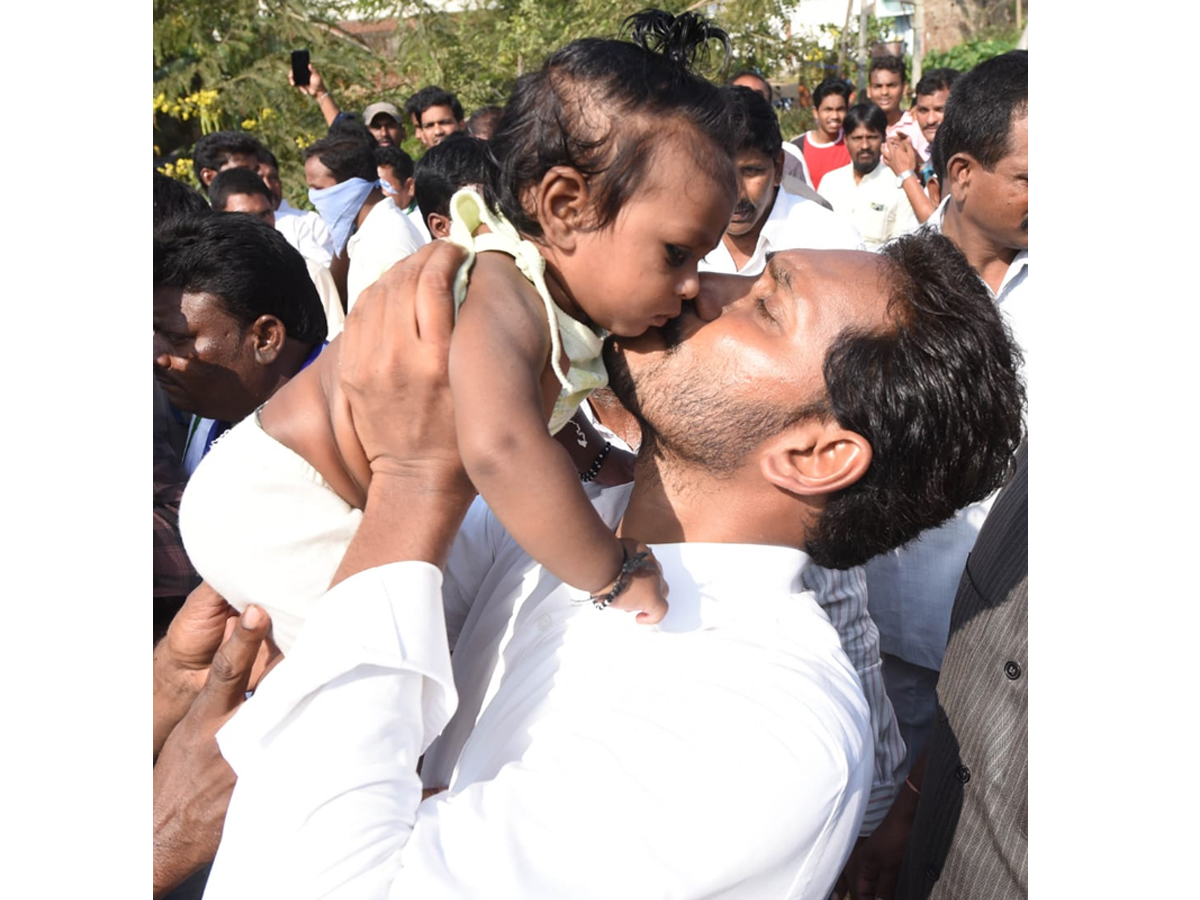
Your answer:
<point x="628" y="567"/>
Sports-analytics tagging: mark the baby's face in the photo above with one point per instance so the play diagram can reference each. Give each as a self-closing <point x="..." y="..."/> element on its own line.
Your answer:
<point x="635" y="273"/>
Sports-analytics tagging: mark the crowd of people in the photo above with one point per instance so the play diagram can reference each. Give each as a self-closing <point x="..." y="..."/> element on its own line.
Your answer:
<point x="585" y="507"/>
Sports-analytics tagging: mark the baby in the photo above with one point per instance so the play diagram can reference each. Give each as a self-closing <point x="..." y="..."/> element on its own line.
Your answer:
<point x="613" y="179"/>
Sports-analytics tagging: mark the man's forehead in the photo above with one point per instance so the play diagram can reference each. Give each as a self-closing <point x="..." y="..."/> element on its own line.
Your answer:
<point x="854" y="281"/>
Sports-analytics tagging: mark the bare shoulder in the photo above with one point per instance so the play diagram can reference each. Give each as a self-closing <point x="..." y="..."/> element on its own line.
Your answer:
<point x="310" y="416"/>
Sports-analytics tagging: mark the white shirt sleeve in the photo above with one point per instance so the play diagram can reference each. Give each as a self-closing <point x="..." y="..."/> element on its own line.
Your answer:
<point x="386" y="237"/>
<point x="842" y="594"/>
<point x="326" y="751"/>
<point x="328" y="802"/>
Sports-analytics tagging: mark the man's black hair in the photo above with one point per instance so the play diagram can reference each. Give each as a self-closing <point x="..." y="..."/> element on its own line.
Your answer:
<point x="458" y="161"/>
<point x="865" y="114"/>
<point x="345" y="152"/>
<point x="397" y="159"/>
<point x="831" y="86"/>
<point x="938" y="396"/>
<point x="174" y="198"/>
<point x="482" y="122"/>
<point x="247" y="265"/>
<point x="889" y="64"/>
<point x="432" y="95"/>
<point x="601" y="106"/>
<point x="753" y="124"/>
<point x="213" y="150"/>
<point x="981" y="110"/>
<point x="236" y="181"/>
<point x="936" y="80"/>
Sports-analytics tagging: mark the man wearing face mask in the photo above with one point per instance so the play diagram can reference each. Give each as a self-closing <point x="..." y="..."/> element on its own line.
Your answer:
<point x="767" y="218"/>
<point x="370" y="233"/>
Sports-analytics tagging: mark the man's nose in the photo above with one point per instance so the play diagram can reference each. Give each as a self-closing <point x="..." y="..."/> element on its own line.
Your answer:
<point x="717" y="292"/>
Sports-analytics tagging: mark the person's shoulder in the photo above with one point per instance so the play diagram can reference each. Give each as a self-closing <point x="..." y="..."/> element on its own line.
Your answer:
<point x="388" y="217"/>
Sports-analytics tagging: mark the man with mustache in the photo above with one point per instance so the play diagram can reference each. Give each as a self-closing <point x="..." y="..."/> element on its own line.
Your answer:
<point x="724" y="753"/>
<point x="767" y="218"/>
<point x="866" y="192"/>
<point x="981" y="156"/>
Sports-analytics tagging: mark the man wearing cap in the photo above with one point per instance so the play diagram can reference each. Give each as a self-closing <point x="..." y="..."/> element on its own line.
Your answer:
<point x="383" y="119"/>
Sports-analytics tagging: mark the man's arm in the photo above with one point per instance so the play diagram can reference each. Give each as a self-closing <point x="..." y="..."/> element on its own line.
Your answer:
<point x="900" y="156"/>
<point x="842" y="594"/>
<point x="316" y="88"/>
<point x="192" y="783"/>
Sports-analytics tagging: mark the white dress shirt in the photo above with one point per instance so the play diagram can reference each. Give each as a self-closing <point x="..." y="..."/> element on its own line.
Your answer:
<point x="385" y="237"/>
<point x="724" y="753"/>
<point x="306" y="231"/>
<point x="792" y="224"/>
<point x="877" y="205"/>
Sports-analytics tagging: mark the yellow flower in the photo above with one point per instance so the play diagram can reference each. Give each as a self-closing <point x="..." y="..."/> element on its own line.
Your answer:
<point x="248" y="124"/>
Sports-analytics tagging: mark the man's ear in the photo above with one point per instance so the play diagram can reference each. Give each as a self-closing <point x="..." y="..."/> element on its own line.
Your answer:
<point x="816" y="457"/>
<point x="959" y="169"/>
<point x="439" y="225"/>
<point x="779" y="169"/>
<point x="207" y="176"/>
<point x="269" y="335"/>
<point x="561" y="205"/>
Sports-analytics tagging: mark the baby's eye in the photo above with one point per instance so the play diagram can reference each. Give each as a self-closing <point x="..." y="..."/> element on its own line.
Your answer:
<point x="676" y="256"/>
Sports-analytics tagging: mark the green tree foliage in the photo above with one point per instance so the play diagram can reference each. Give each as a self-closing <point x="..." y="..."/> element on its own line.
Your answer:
<point x="969" y="54"/>
<point x="223" y="64"/>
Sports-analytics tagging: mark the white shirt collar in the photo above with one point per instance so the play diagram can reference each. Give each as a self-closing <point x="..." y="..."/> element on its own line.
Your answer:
<point x="1016" y="269"/>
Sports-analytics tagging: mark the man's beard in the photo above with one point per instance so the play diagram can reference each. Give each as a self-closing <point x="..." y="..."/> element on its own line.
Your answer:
<point x="866" y="168"/>
<point x="691" y="421"/>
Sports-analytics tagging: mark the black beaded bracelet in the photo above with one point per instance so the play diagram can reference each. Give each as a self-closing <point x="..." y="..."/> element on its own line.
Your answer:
<point x="631" y="564"/>
<point x="594" y="468"/>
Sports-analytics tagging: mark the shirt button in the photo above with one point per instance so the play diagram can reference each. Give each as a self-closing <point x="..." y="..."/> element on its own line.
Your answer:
<point x="543" y="621"/>
<point x="1012" y="670"/>
<point x="963" y="774"/>
<point x="932" y="872"/>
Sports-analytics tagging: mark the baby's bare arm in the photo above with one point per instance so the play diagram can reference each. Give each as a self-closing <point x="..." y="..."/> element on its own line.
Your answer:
<point x="498" y="366"/>
<point x="309" y="415"/>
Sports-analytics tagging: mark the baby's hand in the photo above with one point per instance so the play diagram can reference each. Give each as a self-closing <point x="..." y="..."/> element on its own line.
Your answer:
<point x="641" y="585"/>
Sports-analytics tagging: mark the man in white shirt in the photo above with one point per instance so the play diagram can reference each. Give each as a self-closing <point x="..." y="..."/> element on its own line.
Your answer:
<point x="866" y="192"/>
<point x="767" y="218"/>
<point x="304" y="230"/>
<point x="984" y="170"/>
<point x="723" y="753"/>
<point x="370" y="233"/>
<point x="982" y="157"/>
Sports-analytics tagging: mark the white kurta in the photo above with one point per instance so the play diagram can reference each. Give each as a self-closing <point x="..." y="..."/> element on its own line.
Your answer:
<point x="723" y="753"/>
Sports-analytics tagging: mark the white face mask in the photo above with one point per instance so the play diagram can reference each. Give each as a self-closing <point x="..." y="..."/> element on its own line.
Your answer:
<point x="339" y="206"/>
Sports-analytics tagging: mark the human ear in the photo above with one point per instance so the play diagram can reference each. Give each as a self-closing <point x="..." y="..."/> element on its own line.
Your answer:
<point x="207" y="176"/>
<point x="439" y="225"/>
<point x="816" y="457"/>
<point x="268" y="334"/>
<point x="779" y="169"/>
<point x="562" y="206"/>
<point x="958" y="174"/>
